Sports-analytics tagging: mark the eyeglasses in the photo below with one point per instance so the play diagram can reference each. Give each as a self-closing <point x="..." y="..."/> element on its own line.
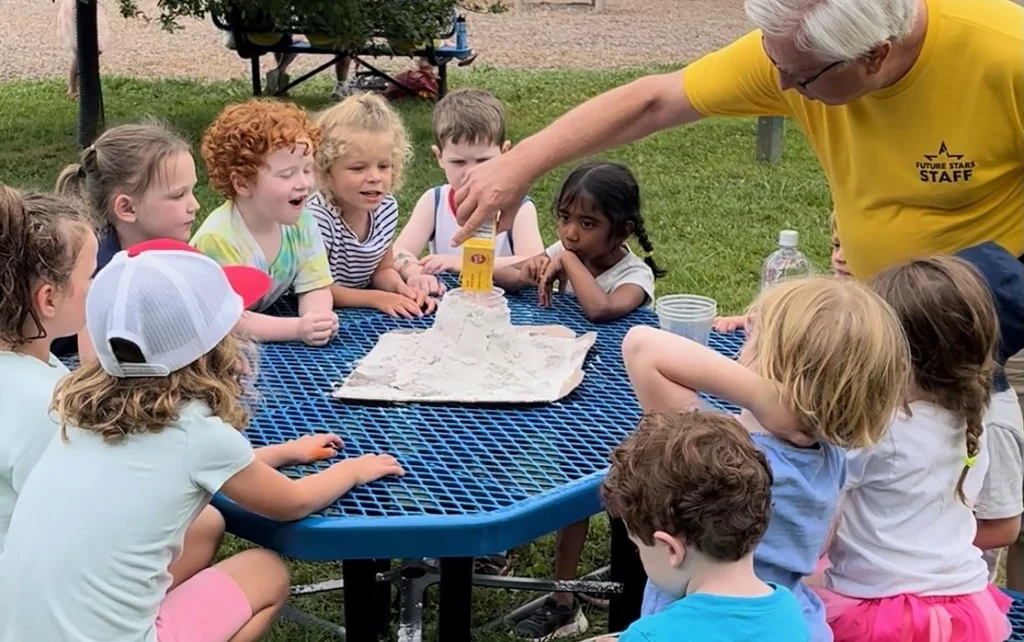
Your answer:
<point x="802" y="84"/>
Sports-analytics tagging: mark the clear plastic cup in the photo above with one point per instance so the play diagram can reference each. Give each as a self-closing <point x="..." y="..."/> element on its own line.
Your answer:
<point x="687" y="315"/>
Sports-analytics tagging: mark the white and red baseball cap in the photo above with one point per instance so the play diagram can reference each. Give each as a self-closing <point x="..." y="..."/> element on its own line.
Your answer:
<point x="173" y="302"/>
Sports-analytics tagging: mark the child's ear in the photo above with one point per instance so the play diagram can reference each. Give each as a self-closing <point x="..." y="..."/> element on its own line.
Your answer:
<point x="506" y="146"/>
<point x="124" y="208"/>
<point x="630" y="228"/>
<point x="676" y="547"/>
<point x="437" y="153"/>
<point x="45" y="300"/>
<point x="241" y="186"/>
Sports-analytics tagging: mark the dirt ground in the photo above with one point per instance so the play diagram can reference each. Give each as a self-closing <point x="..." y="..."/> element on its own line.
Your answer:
<point x="543" y="35"/>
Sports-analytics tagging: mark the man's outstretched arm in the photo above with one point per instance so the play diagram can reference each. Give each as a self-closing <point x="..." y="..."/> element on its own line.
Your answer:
<point x="619" y="116"/>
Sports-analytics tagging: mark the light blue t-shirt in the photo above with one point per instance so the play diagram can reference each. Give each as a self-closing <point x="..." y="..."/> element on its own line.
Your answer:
<point x="717" y="618"/>
<point x="26" y="424"/>
<point x="804" y="498"/>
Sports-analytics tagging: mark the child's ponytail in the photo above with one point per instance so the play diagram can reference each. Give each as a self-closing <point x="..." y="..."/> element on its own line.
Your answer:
<point x="949" y="316"/>
<point x="123" y="160"/>
<point x="973" y="399"/>
<point x="71" y="182"/>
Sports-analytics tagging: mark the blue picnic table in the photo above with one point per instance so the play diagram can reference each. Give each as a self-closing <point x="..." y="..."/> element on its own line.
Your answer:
<point x="479" y="478"/>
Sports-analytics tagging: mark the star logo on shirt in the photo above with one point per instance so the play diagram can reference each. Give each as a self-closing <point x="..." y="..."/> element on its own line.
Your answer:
<point x="943" y="153"/>
<point x="944" y="167"/>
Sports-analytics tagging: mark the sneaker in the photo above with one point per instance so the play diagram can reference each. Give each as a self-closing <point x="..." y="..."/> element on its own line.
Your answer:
<point x="552" y="620"/>
<point x="276" y="82"/>
<point x="342" y="89"/>
<point x="598" y="601"/>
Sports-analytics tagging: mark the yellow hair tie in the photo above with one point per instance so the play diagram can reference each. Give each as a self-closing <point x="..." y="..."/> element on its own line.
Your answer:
<point x="970" y="461"/>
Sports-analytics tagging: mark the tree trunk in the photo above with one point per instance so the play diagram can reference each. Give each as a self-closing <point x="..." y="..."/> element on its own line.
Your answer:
<point x="90" y="92"/>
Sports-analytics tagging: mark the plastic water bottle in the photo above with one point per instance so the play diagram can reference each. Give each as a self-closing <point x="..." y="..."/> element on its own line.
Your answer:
<point x="785" y="263"/>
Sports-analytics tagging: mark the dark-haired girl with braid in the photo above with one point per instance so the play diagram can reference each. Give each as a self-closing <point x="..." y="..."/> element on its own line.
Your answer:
<point x="598" y="209"/>
<point x="47" y="257"/>
<point x="904" y="563"/>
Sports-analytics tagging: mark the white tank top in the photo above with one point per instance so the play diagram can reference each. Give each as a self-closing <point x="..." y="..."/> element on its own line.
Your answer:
<point x="445" y="227"/>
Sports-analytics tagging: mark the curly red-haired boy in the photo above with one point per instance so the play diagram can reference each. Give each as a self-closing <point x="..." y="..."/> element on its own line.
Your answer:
<point x="259" y="155"/>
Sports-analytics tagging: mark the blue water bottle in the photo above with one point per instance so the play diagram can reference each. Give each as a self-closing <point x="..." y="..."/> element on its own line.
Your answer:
<point x="460" y="34"/>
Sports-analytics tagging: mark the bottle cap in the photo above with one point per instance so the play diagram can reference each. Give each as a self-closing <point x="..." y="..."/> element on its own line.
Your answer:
<point x="788" y="238"/>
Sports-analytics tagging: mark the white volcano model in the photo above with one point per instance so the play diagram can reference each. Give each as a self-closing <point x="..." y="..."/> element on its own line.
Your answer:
<point x="472" y="354"/>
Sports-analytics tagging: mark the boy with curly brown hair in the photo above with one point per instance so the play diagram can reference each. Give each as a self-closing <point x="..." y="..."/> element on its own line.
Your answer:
<point x="259" y="155"/>
<point x="695" y="496"/>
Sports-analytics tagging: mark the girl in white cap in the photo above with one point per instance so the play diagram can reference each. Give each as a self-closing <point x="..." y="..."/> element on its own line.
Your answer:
<point x="149" y="432"/>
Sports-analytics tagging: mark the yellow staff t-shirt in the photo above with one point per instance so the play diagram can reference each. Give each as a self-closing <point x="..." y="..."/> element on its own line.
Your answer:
<point x="930" y="165"/>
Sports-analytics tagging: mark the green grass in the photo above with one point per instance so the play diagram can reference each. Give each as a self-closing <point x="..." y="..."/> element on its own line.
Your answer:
<point x="711" y="210"/>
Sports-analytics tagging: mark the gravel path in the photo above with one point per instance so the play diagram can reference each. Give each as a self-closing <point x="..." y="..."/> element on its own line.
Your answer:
<point x="543" y="35"/>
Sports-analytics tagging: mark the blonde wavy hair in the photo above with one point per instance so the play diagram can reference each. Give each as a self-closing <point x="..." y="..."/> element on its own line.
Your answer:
<point x="356" y="115"/>
<point x="838" y="354"/>
<point x="115" y="408"/>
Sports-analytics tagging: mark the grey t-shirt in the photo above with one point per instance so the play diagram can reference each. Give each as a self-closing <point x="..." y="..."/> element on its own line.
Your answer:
<point x="1002" y="494"/>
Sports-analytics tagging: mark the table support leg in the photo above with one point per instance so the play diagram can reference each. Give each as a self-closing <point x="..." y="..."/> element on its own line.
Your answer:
<point x="455" y="610"/>
<point x="624" y="608"/>
<point x="361" y="603"/>
<point x="383" y="596"/>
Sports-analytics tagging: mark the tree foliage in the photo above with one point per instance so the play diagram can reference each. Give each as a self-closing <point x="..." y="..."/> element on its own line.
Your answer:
<point x="347" y="21"/>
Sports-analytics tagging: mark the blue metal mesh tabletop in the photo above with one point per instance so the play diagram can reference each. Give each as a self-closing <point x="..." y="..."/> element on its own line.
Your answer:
<point x="479" y="479"/>
<point x="1016" y="616"/>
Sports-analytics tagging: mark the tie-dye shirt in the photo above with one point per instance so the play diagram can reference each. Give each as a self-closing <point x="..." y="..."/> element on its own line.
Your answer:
<point x="300" y="265"/>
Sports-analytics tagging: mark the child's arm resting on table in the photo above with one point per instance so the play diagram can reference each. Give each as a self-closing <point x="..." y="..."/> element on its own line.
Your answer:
<point x="410" y="243"/>
<point x="304" y="450"/>
<point x="388" y="293"/>
<point x="317" y="320"/>
<point x="522" y="274"/>
<point x="262" y="489"/>
<point x="414" y="236"/>
<point x="389" y="280"/>
<point x="730" y="324"/>
<point x="266" y="328"/>
<point x="667" y="370"/>
<point x="597" y="305"/>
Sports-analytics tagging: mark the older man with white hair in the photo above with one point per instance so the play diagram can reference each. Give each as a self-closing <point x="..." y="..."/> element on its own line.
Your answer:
<point x="915" y="109"/>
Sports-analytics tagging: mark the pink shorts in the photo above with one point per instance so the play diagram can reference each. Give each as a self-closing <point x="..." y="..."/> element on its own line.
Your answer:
<point x="208" y="607"/>
<point x="977" y="617"/>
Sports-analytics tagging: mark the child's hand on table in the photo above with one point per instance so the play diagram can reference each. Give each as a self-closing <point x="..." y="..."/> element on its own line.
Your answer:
<point x="317" y="328"/>
<point x="554" y="271"/>
<point x="437" y="263"/>
<point x="424" y="302"/>
<point x="730" y="324"/>
<point x="398" y="305"/>
<point x="426" y="283"/>
<point x="310" y="448"/>
<point x="532" y="269"/>
<point x="367" y="468"/>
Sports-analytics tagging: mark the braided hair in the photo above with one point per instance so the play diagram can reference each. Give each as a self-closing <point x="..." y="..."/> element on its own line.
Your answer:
<point x="613" y="189"/>
<point x="949" y="317"/>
